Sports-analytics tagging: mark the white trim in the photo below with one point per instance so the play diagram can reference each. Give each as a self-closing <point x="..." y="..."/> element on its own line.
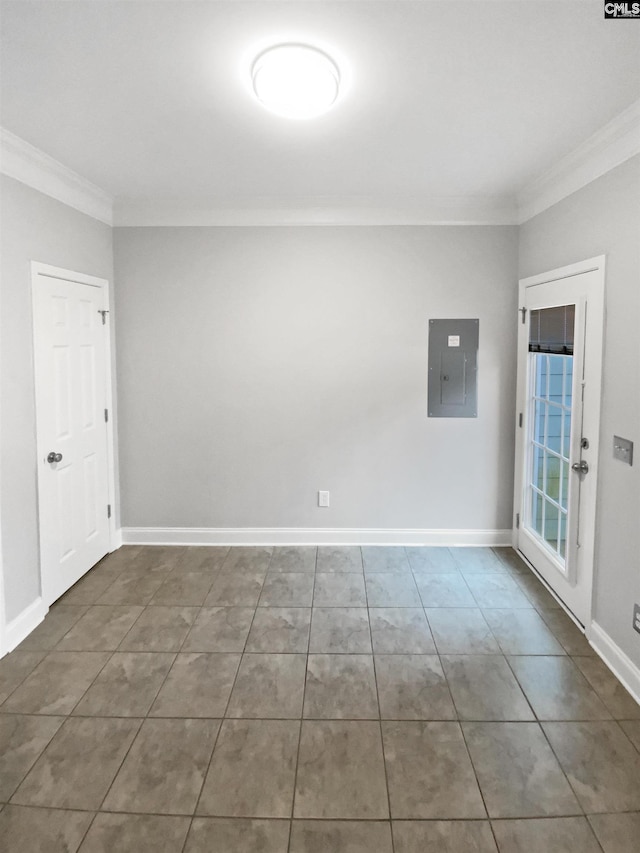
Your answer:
<point x="116" y="540"/>
<point x="30" y="166"/>
<point x="24" y="624"/>
<point x="613" y="144"/>
<point x="329" y="211"/>
<point x="618" y="662"/>
<point x="310" y="536"/>
<point x="38" y="269"/>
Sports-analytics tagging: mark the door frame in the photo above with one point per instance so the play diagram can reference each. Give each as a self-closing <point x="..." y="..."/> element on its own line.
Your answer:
<point x="596" y="354"/>
<point x="37" y="270"/>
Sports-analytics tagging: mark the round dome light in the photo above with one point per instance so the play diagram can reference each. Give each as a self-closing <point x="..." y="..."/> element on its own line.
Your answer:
<point x="295" y="80"/>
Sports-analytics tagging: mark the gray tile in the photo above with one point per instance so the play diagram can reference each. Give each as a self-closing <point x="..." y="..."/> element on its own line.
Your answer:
<point x="202" y="558"/>
<point x="280" y="629"/>
<point x="22" y="740"/>
<point x="632" y="730"/>
<point x="140" y="833"/>
<point x="342" y="630"/>
<point x="184" y="588"/>
<point x="341" y="687"/>
<point x="100" y="629"/>
<point x="57" y="683"/>
<point x="247" y="560"/>
<point x="337" y="836"/>
<point x="413" y="687"/>
<point x="557" y="690"/>
<point x="339" y="590"/>
<point x="617" y="833"/>
<point x="547" y="835"/>
<point x="498" y="590"/>
<point x="238" y="835"/>
<point x="617" y="699"/>
<point x="341" y="771"/>
<point x="401" y="630"/>
<point x="156" y="559"/>
<point x="269" y="686"/>
<point x="55" y="625"/>
<point x="536" y="591"/>
<point x="438" y="590"/>
<point x="127" y="685"/>
<point x="522" y="632"/>
<point x="42" y="830"/>
<point x="160" y="629"/>
<point x="287" y="589"/>
<point x="484" y="688"/>
<point x="566" y="632"/>
<point x="383" y="559"/>
<point x="79" y="764"/>
<point x="512" y="560"/>
<point x="603" y="770"/>
<point x="14" y="669"/>
<point x="90" y="587"/>
<point x="429" y="772"/>
<point x="120" y="559"/>
<point x="198" y="685"/>
<point x="392" y="590"/>
<point x="165" y="767"/>
<point x="132" y="589"/>
<point x="518" y="773"/>
<point x="252" y="771"/>
<point x="347" y="558"/>
<point x="477" y="561"/>
<point x="427" y="559"/>
<point x="461" y="631"/>
<point x="293" y="559"/>
<point x="236" y="588"/>
<point x="443" y="836"/>
<point x="219" y="629"/>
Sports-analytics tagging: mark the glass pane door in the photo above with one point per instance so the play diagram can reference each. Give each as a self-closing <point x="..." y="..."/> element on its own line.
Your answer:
<point x="550" y="409"/>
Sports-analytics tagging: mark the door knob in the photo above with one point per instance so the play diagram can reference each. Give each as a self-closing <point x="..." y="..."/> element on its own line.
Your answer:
<point x="580" y="467"/>
<point x="54" y="457"/>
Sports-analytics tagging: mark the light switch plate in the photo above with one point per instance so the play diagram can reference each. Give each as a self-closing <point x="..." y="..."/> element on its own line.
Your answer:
<point x="623" y="449"/>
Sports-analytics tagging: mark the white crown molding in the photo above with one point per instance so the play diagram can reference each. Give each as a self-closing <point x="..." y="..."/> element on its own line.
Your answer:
<point x="613" y="144"/>
<point x="310" y="536"/>
<point x="30" y="166"/>
<point x="455" y="210"/>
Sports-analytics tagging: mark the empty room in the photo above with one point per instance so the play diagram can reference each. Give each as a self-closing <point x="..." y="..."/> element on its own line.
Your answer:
<point x="320" y="384"/>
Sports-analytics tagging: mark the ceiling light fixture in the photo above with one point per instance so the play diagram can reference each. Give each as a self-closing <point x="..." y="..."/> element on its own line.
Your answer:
<point x="296" y="81"/>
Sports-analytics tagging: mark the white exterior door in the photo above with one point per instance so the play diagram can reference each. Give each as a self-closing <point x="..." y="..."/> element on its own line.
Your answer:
<point x="70" y="346"/>
<point x="559" y="391"/>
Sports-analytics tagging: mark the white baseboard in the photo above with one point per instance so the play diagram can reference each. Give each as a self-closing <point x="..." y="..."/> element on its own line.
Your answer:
<point x="618" y="662"/>
<point x="310" y="536"/>
<point x="116" y="541"/>
<point x="23" y="625"/>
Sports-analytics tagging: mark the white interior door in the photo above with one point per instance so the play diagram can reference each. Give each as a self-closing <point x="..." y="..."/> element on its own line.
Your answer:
<point x="70" y="346"/>
<point x="559" y="391"/>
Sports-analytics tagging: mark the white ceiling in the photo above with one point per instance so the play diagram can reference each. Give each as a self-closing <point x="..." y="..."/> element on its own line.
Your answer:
<point x="150" y="100"/>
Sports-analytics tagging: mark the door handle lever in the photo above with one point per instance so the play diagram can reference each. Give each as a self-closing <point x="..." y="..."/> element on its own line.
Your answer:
<point x="581" y="467"/>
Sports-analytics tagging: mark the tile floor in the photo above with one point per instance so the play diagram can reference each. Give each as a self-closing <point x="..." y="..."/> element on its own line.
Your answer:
<point x="303" y="700"/>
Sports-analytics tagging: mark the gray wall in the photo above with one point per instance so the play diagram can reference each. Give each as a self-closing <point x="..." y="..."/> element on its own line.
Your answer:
<point x="258" y="365"/>
<point x="34" y="228"/>
<point x="604" y="218"/>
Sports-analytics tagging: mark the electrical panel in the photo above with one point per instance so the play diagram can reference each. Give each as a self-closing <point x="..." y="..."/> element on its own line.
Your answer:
<point x="453" y="369"/>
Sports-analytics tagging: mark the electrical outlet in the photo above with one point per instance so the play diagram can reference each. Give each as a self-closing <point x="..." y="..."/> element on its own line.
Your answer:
<point x="636" y="617"/>
<point x="323" y="499"/>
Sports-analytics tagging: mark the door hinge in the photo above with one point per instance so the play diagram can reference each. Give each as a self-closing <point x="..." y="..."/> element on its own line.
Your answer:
<point x="520" y="420"/>
<point x="517" y="521"/>
<point x="106" y="416"/>
<point x="523" y="311"/>
<point x="104" y="316"/>
<point x="108" y="510"/>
